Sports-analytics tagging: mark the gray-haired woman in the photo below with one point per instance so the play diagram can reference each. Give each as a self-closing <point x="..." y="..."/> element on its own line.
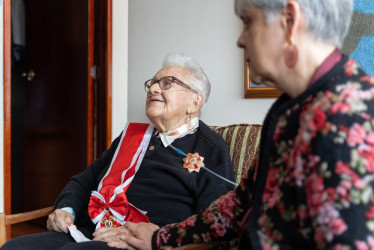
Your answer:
<point x="169" y="168"/>
<point x="314" y="182"/>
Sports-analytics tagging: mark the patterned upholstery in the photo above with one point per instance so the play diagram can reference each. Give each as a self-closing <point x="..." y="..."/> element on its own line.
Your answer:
<point x="243" y="142"/>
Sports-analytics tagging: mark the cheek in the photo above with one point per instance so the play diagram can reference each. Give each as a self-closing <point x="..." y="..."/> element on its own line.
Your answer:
<point x="177" y="103"/>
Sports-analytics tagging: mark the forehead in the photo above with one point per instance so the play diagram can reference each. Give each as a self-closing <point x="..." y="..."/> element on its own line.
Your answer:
<point x="176" y="71"/>
<point x="251" y="11"/>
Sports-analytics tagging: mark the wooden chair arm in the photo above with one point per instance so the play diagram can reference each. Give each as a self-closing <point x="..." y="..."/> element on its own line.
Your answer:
<point x="26" y="216"/>
<point x="10" y="219"/>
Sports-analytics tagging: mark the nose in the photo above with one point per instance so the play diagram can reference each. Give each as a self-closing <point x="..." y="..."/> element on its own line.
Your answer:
<point x="241" y="40"/>
<point x="155" y="88"/>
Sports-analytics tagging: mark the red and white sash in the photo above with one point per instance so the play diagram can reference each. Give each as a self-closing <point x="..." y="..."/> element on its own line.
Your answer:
<point x="108" y="205"/>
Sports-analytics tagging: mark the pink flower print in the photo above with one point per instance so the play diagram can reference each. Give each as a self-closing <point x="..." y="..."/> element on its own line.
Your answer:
<point x="361" y="245"/>
<point x="331" y="194"/>
<point x="271" y="193"/>
<point x="313" y="160"/>
<point x="315" y="202"/>
<point x="302" y="213"/>
<point x="277" y="134"/>
<point x="359" y="184"/>
<point x="366" y="116"/>
<point x="356" y="135"/>
<point x="211" y="218"/>
<point x="349" y="93"/>
<point x="343" y="128"/>
<point x="179" y="240"/>
<point x="370" y="213"/>
<point x="341" y="107"/>
<point x="315" y="194"/>
<point x="343" y="191"/>
<point x="296" y="106"/>
<point x="319" y="236"/>
<point x="188" y="222"/>
<point x="346" y="185"/>
<point x="370" y="138"/>
<point x="337" y="226"/>
<point x="162" y="235"/>
<point x="219" y="229"/>
<point x="208" y="237"/>
<point x="369" y="79"/>
<point x="339" y="247"/>
<point x="370" y="241"/>
<point x="318" y="120"/>
<point x="367" y="153"/>
<point x="265" y="246"/>
<point x="351" y="68"/>
<point x="226" y="204"/>
<point x="342" y="168"/>
<point x="271" y="198"/>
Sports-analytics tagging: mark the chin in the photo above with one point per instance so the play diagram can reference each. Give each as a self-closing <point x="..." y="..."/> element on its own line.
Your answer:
<point x="152" y="114"/>
<point x="256" y="80"/>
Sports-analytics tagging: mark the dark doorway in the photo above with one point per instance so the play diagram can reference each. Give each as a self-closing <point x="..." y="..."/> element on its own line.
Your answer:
<point x="49" y="100"/>
<point x="56" y="110"/>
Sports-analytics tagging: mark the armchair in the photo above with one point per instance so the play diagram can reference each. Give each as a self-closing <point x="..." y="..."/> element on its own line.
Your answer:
<point x="241" y="139"/>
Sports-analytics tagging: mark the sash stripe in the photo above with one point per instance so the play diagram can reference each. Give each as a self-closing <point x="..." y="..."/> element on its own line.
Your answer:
<point x="110" y="195"/>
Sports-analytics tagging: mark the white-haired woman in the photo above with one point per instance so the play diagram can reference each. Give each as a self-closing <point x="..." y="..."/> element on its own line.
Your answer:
<point x="314" y="182"/>
<point x="173" y="158"/>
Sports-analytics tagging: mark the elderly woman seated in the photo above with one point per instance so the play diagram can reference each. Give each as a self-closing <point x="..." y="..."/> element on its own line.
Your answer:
<point x="159" y="172"/>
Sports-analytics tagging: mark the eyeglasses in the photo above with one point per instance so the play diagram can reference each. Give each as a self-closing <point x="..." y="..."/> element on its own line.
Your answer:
<point x="166" y="82"/>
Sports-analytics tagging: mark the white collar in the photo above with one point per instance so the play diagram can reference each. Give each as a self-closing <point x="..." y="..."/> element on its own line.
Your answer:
<point x="190" y="127"/>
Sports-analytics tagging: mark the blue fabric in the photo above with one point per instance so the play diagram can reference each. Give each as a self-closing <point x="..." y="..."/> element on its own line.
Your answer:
<point x="364" y="6"/>
<point x="364" y="52"/>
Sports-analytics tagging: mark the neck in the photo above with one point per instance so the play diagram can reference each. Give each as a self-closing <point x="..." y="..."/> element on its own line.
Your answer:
<point x="168" y="125"/>
<point x="311" y="56"/>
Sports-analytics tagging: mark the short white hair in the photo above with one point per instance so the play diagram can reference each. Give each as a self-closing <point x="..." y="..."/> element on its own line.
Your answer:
<point x="198" y="80"/>
<point x="327" y="20"/>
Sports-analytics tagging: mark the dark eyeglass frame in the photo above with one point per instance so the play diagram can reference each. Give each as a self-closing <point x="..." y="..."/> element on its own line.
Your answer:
<point x="148" y="84"/>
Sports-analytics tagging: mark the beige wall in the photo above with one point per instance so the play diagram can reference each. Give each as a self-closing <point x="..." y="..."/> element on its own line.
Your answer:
<point x="204" y="29"/>
<point x="120" y="65"/>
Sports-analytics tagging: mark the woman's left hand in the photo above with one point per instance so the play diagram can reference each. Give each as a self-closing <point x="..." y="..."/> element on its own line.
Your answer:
<point x="137" y="236"/>
<point x="107" y="234"/>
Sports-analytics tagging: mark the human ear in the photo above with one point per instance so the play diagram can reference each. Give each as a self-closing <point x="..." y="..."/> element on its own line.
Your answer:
<point x="196" y="104"/>
<point x="292" y="18"/>
<point x="291" y="22"/>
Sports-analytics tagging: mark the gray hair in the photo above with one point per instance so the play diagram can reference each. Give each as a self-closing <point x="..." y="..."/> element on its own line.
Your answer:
<point x="198" y="80"/>
<point x="327" y="20"/>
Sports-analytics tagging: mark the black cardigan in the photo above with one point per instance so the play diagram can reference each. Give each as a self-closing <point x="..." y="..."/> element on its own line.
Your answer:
<point x="162" y="187"/>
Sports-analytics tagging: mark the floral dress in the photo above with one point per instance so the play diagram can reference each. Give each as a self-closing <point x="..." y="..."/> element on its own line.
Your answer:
<point x="313" y="185"/>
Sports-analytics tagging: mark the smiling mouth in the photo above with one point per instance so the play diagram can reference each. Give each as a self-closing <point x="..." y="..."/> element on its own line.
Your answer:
<point x="154" y="97"/>
<point x="156" y="100"/>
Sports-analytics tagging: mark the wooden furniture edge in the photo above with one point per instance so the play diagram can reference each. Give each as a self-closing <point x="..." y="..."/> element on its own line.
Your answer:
<point x="6" y="220"/>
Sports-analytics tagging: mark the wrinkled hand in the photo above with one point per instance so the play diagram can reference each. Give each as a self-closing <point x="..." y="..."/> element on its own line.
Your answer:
<point x="140" y="236"/>
<point x="108" y="234"/>
<point x="59" y="221"/>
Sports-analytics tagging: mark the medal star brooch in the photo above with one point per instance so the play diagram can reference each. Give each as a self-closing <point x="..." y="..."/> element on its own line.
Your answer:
<point x="193" y="162"/>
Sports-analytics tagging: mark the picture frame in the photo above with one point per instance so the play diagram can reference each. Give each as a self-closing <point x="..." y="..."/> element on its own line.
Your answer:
<point x="252" y="90"/>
